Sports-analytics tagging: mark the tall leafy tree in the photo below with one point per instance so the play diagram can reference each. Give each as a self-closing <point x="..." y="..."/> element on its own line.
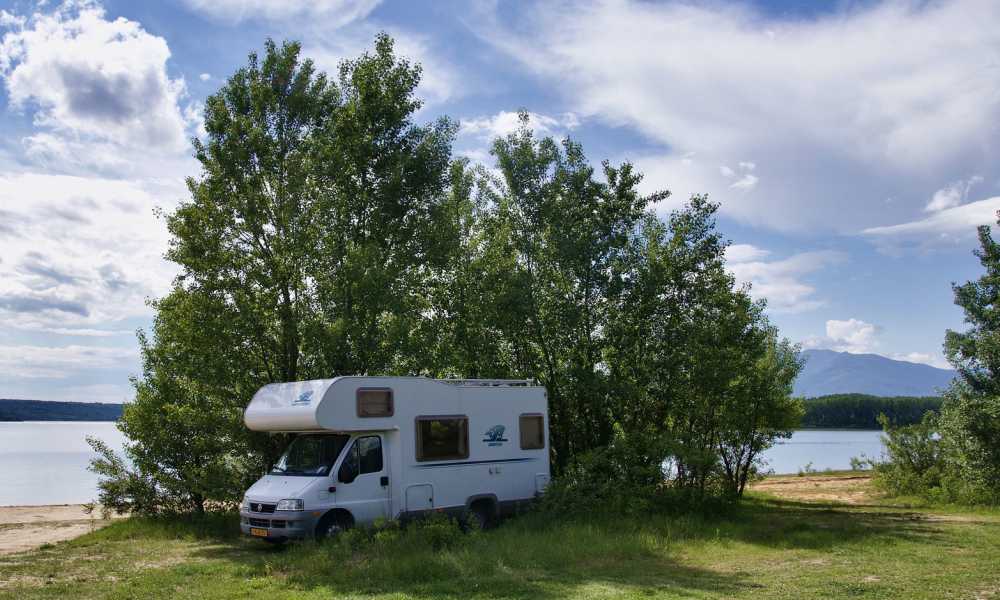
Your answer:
<point x="301" y="252"/>
<point x="556" y="235"/>
<point x="970" y="417"/>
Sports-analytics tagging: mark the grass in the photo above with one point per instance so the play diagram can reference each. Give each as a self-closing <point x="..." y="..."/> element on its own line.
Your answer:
<point x="768" y="547"/>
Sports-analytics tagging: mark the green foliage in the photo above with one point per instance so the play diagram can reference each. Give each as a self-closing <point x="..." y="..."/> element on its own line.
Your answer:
<point x="970" y="417"/>
<point x="954" y="456"/>
<point x="329" y="234"/>
<point x="624" y="477"/>
<point x="914" y="463"/>
<point x="862" y="411"/>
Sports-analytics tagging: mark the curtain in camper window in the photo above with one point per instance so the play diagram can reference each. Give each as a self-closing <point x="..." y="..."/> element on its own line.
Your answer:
<point x="374" y="402"/>
<point x="442" y="438"/>
<point x="532" y="432"/>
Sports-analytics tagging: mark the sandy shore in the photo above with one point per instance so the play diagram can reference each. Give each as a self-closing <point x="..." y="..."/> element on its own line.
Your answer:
<point x="26" y="527"/>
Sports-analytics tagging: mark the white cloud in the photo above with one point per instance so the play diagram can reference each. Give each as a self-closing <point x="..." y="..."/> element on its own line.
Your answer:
<point x="79" y="252"/>
<point x="747" y="182"/>
<point x="204" y="76"/>
<point x="934" y="360"/>
<point x="55" y="362"/>
<point x="861" y="337"/>
<point x="507" y="122"/>
<point x="87" y="78"/>
<point x="852" y="335"/>
<point x="781" y="282"/>
<point x="335" y="13"/>
<point x="948" y="224"/>
<point x="829" y="106"/>
<point x="952" y="195"/>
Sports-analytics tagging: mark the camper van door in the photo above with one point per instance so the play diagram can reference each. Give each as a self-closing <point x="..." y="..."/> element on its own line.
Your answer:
<point x="363" y="478"/>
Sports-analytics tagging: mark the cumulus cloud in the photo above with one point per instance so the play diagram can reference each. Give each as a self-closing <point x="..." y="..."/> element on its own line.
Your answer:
<point x="333" y="12"/>
<point x="781" y="282"/>
<point x="507" y="122"/>
<point x="81" y="251"/>
<point x="829" y="107"/>
<point x="90" y="79"/>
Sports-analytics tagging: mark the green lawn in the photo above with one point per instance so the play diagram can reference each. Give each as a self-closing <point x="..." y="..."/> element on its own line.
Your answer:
<point x="766" y="548"/>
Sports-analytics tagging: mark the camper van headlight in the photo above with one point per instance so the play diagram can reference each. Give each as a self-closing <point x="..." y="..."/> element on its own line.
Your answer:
<point x="290" y="504"/>
<point x="245" y="505"/>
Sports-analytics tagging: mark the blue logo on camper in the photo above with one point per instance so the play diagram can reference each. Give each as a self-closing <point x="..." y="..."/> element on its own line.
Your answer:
<point x="494" y="436"/>
<point x="304" y="398"/>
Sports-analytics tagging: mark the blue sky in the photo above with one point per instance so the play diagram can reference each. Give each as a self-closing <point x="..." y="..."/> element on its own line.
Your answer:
<point x="853" y="145"/>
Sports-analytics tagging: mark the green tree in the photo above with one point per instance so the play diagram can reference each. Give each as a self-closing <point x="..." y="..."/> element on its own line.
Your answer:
<point x="970" y="417"/>
<point x="555" y="237"/>
<point x="761" y="409"/>
<point x="301" y="251"/>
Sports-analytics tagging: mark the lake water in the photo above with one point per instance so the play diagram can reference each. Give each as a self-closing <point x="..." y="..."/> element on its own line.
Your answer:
<point x="46" y="462"/>
<point x="824" y="448"/>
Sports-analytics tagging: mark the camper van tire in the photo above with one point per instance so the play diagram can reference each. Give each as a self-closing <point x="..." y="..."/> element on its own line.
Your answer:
<point x="481" y="514"/>
<point x="333" y="523"/>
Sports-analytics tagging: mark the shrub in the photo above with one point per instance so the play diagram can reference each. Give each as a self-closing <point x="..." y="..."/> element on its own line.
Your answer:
<point x="624" y="477"/>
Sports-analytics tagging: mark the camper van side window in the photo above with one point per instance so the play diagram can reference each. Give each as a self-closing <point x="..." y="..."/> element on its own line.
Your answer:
<point x="375" y="402"/>
<point x="442" y="438"/>
<point x="532" y="432"/>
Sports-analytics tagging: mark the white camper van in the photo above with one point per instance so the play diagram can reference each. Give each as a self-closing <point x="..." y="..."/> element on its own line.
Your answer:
<point x="395" y="447"/>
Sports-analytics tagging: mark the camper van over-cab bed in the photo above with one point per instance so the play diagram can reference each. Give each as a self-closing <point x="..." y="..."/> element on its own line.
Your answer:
<point x="395" y="447"/>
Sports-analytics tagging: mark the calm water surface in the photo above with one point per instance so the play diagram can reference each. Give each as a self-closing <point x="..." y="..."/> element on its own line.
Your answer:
<point x="824" y="448"/>
<point x="46" y="462"/>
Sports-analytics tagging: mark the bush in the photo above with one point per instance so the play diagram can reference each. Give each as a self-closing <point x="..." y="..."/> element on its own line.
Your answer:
<point x="915" y="464"/>
<point x="625" y="477"/>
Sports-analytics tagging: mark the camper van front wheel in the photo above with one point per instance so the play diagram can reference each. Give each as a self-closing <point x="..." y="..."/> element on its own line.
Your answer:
<point x="332" y="524"/>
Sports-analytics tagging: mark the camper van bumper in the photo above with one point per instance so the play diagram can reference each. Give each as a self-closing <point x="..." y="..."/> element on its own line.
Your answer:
<point x="278" y="526"/>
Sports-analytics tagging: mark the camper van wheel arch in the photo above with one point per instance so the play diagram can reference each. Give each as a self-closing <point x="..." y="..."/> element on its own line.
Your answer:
<point x="334" y="522"/>
<point x="481" y="512"/>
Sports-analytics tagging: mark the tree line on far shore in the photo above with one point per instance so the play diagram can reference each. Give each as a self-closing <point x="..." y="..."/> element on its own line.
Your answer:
<point x="328" y="233"/>
<point x="862" y="411"/>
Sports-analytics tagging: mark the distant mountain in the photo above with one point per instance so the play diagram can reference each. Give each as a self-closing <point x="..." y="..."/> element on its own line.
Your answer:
<point x="828" y="372"/>
<point x="40" y="410"/>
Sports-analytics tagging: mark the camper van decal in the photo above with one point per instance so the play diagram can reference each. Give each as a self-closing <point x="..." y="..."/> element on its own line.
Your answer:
<point x="304" y="398"/>
<point x="494" y="436"/>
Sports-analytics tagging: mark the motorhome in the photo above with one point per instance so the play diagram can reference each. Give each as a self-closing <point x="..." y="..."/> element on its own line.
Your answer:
<point x="367" y="448"/>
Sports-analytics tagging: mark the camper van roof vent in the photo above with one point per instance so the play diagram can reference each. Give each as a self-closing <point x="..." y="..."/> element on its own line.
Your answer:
<point x="490" y="382"/>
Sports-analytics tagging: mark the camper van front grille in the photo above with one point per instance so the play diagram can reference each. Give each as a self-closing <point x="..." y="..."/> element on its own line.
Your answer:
<point x="259" y="523"/>
<point x="260" y="507"/>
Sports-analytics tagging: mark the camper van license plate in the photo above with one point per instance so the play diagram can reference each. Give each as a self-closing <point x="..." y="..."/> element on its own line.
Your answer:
<point x="258" y="532"/>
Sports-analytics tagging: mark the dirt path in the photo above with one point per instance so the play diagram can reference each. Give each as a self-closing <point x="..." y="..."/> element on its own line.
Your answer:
<point x="26" y="527"/>
<point x="848" y="489"/>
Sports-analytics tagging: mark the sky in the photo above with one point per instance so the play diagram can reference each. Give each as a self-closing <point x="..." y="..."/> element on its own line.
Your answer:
<point x="853" y="146"/>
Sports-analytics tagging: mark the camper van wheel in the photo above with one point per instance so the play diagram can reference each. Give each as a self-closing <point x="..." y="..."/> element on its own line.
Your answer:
<point x="332" y="524"/>
<point x="480" y="515"/>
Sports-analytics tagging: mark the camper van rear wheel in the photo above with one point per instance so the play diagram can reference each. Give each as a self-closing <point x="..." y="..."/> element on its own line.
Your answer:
<point x="333" y="524"/>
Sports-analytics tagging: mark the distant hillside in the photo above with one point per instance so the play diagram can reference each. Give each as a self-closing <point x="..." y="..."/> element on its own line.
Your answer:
<point x="827" y="372"/>
<point x="39" y="410"/>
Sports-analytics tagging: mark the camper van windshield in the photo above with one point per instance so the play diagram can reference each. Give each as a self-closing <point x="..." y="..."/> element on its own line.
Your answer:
<point x="310" y="455"/>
